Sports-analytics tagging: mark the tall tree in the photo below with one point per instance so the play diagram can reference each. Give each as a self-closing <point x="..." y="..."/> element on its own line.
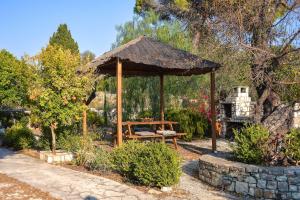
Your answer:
<point x="63" y="38"/>
<point x="14" y="80"/>
<point x="267" y="31"/>
<point x="58" y="92"/>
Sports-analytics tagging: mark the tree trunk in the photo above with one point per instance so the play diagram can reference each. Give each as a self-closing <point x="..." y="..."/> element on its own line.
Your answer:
<point x="52" y="127"/>
<point x="84" y="123"/>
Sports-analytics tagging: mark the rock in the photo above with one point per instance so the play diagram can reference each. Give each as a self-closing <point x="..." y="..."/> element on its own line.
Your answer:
<point x="281" y="178"/>
<point x="230" y="187"/>
<point x="166" y="189"/>
<point x="241" y="187"/>
<point x="250" y="179"/>
<point x="296" y="195"/>
<point x="258" y="193"/>
<point x="293" y="188"/>
<point x="269" y="194"/>
<point x="153" y="191"/>
<point x="283" y="186"/>
<point x="272" y="185"/>
<point x="261" y="183"/>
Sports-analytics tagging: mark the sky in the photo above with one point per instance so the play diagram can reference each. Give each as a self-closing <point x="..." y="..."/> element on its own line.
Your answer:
<point x="26" y="25"/>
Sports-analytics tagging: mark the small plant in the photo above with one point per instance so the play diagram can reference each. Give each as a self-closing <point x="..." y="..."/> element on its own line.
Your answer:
<point x="19" y="137"/>
<point x="101" y="161"/>
<point x="151" y="164"/>
<point x="292" y="145"/>
<point x="250" y="144"/>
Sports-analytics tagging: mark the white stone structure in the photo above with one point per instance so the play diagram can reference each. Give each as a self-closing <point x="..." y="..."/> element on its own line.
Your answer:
<point x="296" y="116"/>
<point x="237" y="104"/>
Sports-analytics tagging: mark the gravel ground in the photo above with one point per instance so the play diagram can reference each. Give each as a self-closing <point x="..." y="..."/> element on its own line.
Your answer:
<point x="12" y="189"/>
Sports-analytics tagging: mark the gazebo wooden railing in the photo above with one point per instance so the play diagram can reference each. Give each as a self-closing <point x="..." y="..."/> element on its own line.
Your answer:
<point x="145" y="56"/>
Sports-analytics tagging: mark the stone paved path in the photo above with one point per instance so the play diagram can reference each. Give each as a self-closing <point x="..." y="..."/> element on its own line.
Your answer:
<point x="64" y="183"/>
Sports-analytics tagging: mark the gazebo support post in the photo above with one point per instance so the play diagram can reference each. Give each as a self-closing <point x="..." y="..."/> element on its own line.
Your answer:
<point x="213" y="110"/>
<point x="162" y="102"/>
<point x="119" y="102"/>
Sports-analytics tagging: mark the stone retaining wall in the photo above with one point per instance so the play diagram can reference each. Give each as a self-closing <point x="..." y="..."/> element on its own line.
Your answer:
<point x="250" y="181"/>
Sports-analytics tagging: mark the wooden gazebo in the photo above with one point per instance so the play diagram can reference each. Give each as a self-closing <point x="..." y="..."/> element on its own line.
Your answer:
<point x="145" y="56"/>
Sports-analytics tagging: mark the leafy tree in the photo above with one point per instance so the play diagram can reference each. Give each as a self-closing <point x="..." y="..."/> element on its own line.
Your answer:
<point x="14" y="80"/>
<point x="59" y="92"/>
<point x="268" y="34"/>
<point x="64" y="38"/>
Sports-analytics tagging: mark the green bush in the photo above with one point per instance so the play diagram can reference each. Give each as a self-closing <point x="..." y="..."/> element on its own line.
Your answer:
<point x="69" y="141"/>
<point x="250" y="144"/>
<point x="100" y="161"/>
<point x="292" y="145"/>
<point x="151" y="164"/>
<point x="19" y="137"/>
<point x="193" y="123"/>
<point x="94" y="120"/>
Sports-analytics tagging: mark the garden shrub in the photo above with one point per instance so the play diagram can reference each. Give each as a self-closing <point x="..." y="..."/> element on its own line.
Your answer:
<point x="292" y="145"/>
<point x="191" y="122"/>
<point x="250" y="144"/>
<point x="151" y="164"/>
<point x="19" y="137"/>
<point x="69" y="141"/>
<point x="100" y="161"/>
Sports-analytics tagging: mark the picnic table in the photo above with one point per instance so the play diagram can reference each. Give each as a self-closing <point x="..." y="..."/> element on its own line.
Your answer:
<point x="161" y="134"/>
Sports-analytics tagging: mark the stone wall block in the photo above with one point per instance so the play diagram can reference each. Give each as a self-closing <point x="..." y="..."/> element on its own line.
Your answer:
<point x="283" y="186"/>
<point x="250" y="179"/>
<point x="272" y="185"/>
<point x="261" y="183"/>
<point x="231" y="187"/>
<point x="293" y="188"/>
<point x="252" y="169"/>
<point x="281" y="178"/>
<point x="241" y="187"/>
<point x="296" y="195"/>
<point x="269" y="194"/>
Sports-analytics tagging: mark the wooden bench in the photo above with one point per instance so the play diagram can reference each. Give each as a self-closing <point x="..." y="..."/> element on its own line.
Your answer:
<point x="131" y="134"/>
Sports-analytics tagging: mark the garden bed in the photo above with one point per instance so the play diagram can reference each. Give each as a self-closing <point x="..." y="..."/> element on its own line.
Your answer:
<point x="250" y="181"/>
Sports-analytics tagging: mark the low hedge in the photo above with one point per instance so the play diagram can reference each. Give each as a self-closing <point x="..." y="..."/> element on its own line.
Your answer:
<point x="19" y="137"/>
<point x="250" y="144"/>
<point x="151" y="164"/>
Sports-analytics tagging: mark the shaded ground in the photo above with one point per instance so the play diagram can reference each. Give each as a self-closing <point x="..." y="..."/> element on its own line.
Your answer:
<point x="11" y="189"/>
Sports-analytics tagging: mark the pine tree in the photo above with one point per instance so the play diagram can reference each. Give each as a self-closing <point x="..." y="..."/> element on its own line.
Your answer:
<point x="63" y="38"/>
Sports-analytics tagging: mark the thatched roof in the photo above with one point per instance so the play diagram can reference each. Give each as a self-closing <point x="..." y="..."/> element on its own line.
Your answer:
<point x="145" y="56"/>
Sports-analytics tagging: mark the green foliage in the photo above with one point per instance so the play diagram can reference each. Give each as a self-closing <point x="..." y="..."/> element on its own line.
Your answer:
<point x="82" y="146"/>
<point x="63" y="38"/>
<point x="14" y="80"/>
<point x="95" y="119"/>
<point x="58" y="92"/>
<point x="69" y="141"/>
<point x="191" y="122"/>
<point x="152" y="164"/>
<point x="19" y="137"/>
<point x="292" y="145"/>
<point x="101" y="161"/>
<point x="250" y="144"/>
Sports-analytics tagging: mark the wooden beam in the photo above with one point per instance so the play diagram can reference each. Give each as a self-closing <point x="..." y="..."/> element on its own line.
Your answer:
<point x="162" y="101"/>
<point x="213" y="110"/>
<point x="119" y="102"/>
